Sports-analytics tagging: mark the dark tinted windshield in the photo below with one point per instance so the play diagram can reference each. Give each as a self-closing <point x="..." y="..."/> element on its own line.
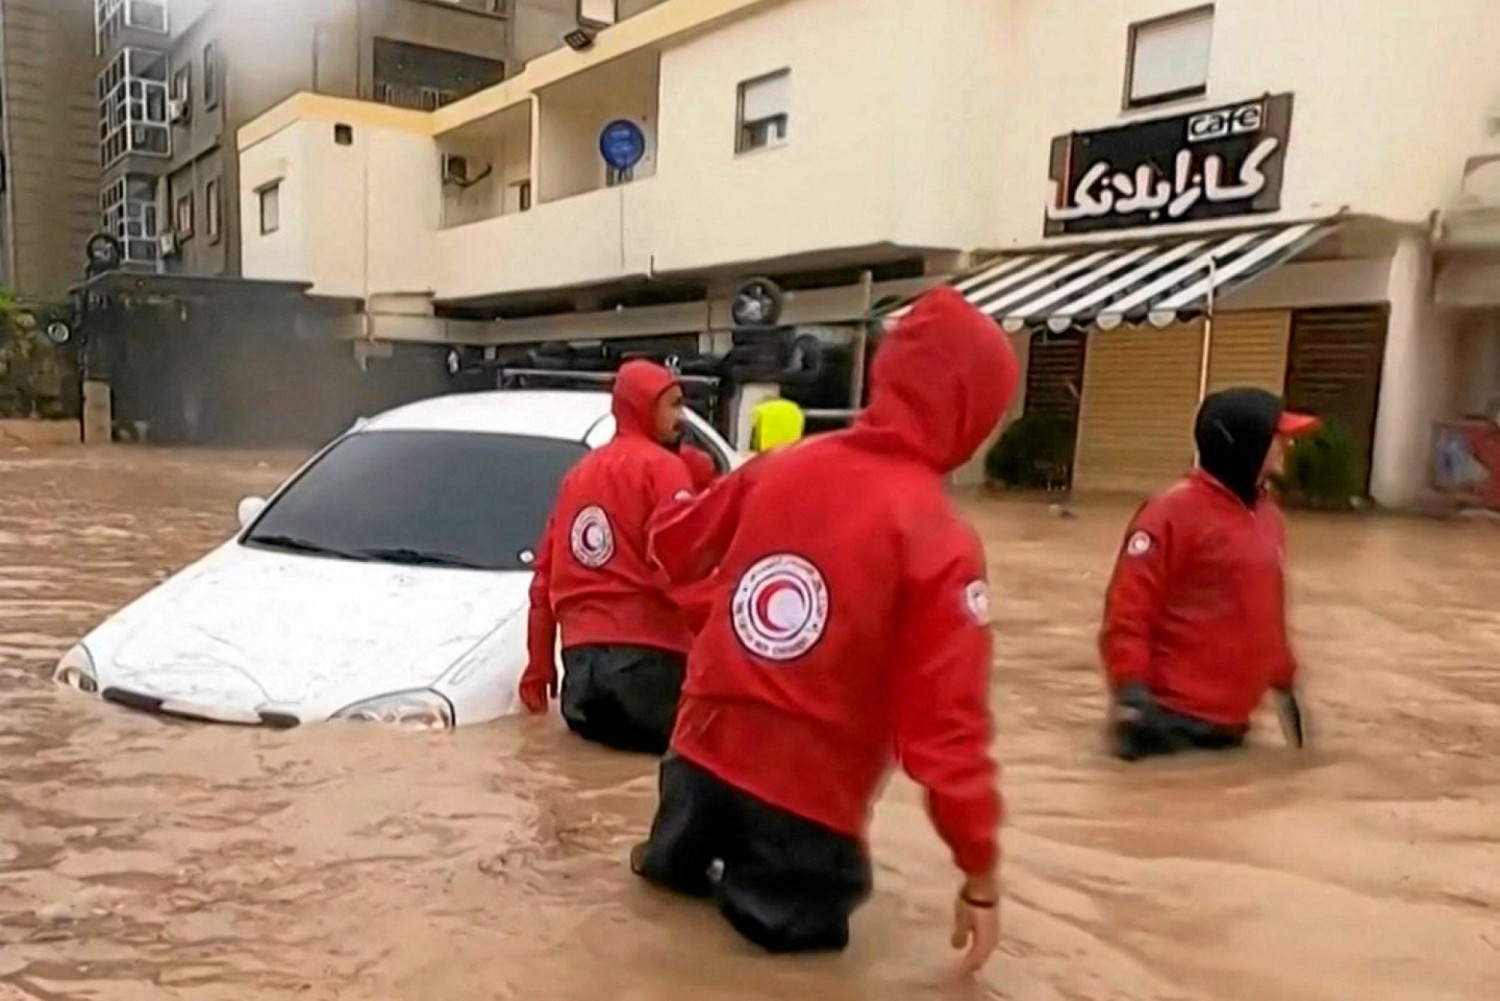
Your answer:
<point x="440" y="498"/>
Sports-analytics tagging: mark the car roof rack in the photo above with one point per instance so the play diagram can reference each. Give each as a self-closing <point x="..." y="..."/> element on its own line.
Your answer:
<point x="561" y="378"/>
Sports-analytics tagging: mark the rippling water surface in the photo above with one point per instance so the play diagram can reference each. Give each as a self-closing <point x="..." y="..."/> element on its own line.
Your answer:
<point x="141" y="859"/>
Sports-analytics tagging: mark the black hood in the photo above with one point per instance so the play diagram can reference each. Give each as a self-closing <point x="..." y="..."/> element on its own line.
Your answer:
<point x="1234" y="432"/>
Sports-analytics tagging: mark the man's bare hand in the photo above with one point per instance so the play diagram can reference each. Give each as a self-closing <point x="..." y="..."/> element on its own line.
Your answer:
<point x="976" y="923"/>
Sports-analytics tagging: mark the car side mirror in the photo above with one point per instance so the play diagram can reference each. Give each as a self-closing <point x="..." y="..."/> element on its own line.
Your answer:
<point x="250" y="509"/>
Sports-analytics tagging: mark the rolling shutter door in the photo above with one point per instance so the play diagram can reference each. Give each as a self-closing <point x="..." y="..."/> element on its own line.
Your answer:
<point x="1140" y="394"/>
<point x="1333" y="367"/>
<point x="1249" y="349"/>
<point x="1054" y="375"/>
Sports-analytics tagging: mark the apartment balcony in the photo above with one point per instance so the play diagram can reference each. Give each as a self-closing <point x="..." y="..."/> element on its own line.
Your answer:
<point x="589" y="239"/>
<point x="122" y="24"/>
<point x="134" y="113"/>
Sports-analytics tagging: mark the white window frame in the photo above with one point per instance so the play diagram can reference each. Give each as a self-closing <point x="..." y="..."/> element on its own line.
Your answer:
<point x="134" y="91"/>
<point x="757" y="130"/>
<point x="185" y="215"/>
<point x="113" y="17"/>
<point x="1191" y="83"/>
<point x="598" y="13"/>
<point x="269" y="195"/>
<point x="182" y="89"/>
<point x="213" y="209"/>
<point x="132" y="217"/>
<point x="213" y="75"/>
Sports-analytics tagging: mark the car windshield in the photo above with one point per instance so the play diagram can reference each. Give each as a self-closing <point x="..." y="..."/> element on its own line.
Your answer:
<point x="422" y="498"/>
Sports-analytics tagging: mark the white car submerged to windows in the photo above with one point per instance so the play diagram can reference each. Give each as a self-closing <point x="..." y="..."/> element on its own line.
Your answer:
<point x="386" y="580"/>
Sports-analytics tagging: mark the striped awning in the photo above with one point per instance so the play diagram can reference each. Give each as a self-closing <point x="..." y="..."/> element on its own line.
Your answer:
<point x="1158" y="283"/>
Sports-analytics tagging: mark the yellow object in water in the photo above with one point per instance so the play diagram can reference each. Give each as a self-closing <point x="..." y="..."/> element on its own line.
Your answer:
<point x="774" y="423"/>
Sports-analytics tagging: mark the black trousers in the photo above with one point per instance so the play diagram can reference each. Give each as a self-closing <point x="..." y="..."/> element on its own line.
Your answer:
<point x="623" y="697"/>
<point x="1161" y="731"/>
<point x="785" y="883"/>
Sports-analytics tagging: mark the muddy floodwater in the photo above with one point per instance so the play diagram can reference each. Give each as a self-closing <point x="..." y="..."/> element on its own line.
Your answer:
<point x="142" y="859"/>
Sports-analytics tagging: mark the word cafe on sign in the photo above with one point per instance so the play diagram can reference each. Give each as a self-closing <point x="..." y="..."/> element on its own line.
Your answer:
<point x="1210" y="164"/>
<point x="1130" y="324"/>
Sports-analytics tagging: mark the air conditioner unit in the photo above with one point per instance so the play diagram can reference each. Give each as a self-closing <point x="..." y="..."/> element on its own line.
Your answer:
<point x="177" y="110"/>
<point x="455" y="169"/>
<point x="167" y="244"/>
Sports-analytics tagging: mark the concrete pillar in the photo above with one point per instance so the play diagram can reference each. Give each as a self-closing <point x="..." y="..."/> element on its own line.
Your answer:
<point x="98" y="418"/>
<point x="1415" y="378"/>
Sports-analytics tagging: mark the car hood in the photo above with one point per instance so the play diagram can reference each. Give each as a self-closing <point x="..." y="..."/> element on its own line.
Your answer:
<point x="247" y="628"/>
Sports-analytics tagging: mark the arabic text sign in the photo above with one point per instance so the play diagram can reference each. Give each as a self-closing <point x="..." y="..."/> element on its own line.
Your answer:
<point x="1209" y="164"/>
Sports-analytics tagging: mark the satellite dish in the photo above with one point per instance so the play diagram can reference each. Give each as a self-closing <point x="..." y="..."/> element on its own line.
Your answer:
<point x="757" y="303"/>
<point x="104" y="253"/>
<point x="59" y="333"/>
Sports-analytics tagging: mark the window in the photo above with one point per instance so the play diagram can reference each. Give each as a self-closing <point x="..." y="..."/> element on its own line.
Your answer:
<point x="764" y="103"/>
<point x="597" y="12"/>
<point x="211" y="75"/>
<point x="182" y="216"/>
<point x="134" y="118"/>
<point x="1168" y="58"/>
<point x="270" y="208"/>
<point x="182" y="94"/>
<point x="425" y="78"/>
<point x="445" y="498"/>
<point x="128" y="208"/>
<point x="213" y="208"/>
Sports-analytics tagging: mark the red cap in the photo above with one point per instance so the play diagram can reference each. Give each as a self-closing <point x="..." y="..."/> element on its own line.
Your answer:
<point x="1293" y="424"/>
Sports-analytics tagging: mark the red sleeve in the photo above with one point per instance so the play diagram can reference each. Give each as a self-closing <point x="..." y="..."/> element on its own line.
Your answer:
<point x="541" y="622"/>
<point x="943" y="725"/>
<point x="689" y="539"/>
<point x="1137" y="593"/>
<point x="700" y="465"/>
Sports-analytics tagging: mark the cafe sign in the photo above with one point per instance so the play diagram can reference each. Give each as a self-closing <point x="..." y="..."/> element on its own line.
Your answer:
<point x="1206" y="165"/>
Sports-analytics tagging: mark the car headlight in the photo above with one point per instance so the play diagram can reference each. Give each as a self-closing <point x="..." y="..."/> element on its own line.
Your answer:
<point x="76" y="670"/>
<point x="416" y="710"/>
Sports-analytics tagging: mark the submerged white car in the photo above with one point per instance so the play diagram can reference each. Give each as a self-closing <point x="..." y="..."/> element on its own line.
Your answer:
<point x="386" y="580"/>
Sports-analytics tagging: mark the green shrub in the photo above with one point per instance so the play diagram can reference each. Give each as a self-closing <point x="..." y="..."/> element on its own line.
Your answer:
<point x="32" y="371"/>
<point x="1324" y="469"/>
<point x="1034" y="453"/>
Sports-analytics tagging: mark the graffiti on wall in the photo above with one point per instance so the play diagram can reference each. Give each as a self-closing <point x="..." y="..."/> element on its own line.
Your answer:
<point x="1467" y="461"/>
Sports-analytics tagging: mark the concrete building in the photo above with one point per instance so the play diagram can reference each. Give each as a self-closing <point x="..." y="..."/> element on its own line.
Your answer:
<point x="1154" y="197"/>
<point x="49" y="182"/>
<point x="119" y="115"/>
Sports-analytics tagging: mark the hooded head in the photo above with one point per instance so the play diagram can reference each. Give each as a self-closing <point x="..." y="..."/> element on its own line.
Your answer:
<point x="941" y="381"/>
<point x="1234" y="433"/>
<point x="639" y="388"/>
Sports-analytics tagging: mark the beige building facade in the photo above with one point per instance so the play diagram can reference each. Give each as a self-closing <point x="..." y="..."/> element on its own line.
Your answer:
<point x="1154" y="198"/>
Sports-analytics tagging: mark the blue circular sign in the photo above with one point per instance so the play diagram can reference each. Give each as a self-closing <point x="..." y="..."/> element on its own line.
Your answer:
<point x="622" y="144"/>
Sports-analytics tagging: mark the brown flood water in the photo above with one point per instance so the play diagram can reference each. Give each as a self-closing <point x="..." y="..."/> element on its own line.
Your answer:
<point x="143" y="860"/>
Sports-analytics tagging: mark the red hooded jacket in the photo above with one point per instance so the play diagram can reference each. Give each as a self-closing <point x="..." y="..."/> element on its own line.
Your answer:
<point x="849" y="624"/>
<point x="1197" y="607"/>
<point x="591" y="575"/>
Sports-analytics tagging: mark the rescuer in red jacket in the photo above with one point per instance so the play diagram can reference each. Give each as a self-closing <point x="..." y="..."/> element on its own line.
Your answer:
<point x="849" y="626"/>
<point x="624" y="635"/>
<point x="1195" y="622"/>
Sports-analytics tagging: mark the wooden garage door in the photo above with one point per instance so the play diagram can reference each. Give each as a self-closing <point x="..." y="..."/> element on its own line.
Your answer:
<point x="1249" y="349"/>
<point x="1140" y="393"/>
<point x="1333" y="367"/>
